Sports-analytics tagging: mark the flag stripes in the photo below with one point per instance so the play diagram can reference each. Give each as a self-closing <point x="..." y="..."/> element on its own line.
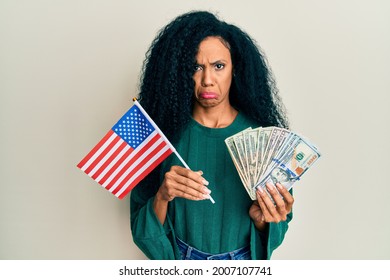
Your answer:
<point x="111" y="160"/>
<point x="149" y="165"/>
<point x="130" y="163"/>
<point x="119" y="167"/>
<point x="93" y="154"/>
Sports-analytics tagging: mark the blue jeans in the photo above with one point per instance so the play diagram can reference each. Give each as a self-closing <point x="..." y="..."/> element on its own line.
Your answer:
<point x="190" y="253"/>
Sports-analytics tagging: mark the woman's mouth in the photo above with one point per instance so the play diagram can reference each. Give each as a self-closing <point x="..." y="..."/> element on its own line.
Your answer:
<point x="208" y="95"/>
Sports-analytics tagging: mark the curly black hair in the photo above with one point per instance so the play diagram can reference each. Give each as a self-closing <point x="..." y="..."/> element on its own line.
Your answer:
<point x="167" y="86"/>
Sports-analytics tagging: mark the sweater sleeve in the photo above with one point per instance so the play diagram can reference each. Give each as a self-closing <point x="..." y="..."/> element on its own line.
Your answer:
<point x="276" y="235"/>
<point x="153" y="239"/>
<point x="264" y="243"/>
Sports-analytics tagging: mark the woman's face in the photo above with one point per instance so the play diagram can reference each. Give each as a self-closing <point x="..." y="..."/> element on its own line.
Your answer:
<point x="213" y="73"/>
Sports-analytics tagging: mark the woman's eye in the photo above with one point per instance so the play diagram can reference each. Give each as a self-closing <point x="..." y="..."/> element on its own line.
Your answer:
<point x="197" y="68"/>
<point x="219" y="66"/>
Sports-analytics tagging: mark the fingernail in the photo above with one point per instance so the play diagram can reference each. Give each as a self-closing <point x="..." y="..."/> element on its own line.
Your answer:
<point x="207" y="190"/>
<point x="279" y="186"/>
<point x="260" y="189"/>
<point x="200" y="172"/>
<point x="205" y="182"/>
<point x="270" y="187"/>
<point x="206" y="196"/>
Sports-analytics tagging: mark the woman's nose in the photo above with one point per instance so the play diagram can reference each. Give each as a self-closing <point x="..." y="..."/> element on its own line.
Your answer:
<point x="207" y="78"/>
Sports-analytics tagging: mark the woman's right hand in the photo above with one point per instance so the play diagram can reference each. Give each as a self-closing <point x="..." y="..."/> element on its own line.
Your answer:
<point x="185" y="183"/>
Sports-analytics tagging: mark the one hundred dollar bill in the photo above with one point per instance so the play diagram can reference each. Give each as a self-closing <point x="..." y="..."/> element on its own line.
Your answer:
<point x="290" y="167"/>
<point x="270" y="154"/>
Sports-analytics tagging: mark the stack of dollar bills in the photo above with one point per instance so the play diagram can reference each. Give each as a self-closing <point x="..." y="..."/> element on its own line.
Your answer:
<point x="270" y="154"/>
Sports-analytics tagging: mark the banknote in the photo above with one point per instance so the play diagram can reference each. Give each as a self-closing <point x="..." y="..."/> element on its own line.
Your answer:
<point x="270" y="154"/>
<point x="290" y="168"/>
<point x="237" y="160"/>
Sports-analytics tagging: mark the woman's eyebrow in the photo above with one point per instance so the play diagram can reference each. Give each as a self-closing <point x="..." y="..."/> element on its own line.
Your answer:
<point x="212" y="63"/>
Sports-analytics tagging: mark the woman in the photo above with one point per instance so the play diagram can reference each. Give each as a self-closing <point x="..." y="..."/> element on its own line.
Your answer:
<point x="203" y="81"/>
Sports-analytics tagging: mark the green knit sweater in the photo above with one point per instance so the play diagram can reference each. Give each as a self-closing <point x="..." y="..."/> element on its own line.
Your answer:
<point x="214" y="228"/>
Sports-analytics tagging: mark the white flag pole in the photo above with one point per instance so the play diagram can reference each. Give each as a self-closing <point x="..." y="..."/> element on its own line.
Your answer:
<point x="165" y="138"/>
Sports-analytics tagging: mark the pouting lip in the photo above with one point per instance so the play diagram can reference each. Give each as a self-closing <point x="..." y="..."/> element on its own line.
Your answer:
<point x="207" y="95"/>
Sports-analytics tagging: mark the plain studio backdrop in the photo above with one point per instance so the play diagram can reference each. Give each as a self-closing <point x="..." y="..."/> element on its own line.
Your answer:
<point x="69" y="70"/>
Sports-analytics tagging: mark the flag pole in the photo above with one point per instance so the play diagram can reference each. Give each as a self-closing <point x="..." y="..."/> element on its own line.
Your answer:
<point x="165" y="138"/>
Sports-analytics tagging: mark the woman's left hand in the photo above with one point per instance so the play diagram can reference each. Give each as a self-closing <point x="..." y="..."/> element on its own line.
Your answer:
<point x="264" y="211"/>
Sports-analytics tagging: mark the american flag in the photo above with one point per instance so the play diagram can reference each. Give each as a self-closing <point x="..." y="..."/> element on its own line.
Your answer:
<point x="127" y="153"/>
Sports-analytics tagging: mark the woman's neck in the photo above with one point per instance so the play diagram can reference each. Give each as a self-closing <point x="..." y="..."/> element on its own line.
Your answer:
<point x="214" y="117"/>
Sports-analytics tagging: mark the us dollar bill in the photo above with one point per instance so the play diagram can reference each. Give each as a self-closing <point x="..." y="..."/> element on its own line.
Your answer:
<point x="270" y="154"/>
<point x="250" y="154"/>
<point x="234" y="153"/>
<point x="290" y="167"/>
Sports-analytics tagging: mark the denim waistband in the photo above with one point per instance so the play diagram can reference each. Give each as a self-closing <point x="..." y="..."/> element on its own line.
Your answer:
<point x="191" y="253"/>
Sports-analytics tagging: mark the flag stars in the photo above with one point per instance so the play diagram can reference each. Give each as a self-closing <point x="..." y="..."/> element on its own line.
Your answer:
<point x="134" y="128"/>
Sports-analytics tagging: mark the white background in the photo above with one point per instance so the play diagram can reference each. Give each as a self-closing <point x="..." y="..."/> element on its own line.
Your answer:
<point x="69" y="69"/>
